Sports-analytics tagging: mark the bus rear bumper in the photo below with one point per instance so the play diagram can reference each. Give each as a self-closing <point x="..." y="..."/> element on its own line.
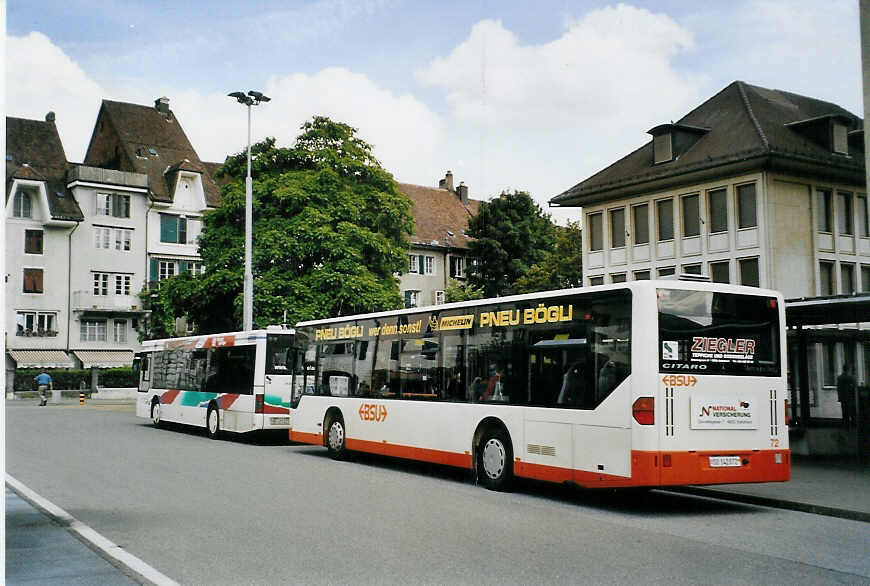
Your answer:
<point x="708" y="467"/>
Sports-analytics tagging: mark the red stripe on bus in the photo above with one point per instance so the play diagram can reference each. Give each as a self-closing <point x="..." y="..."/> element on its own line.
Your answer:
<point x="272" y="409"/>
<point x="410" y="453"/>
<point x="306" y="438"/>
<point x="226" y="401"/>
<point x="647" y="468"/>
<point x="169" y="396"/>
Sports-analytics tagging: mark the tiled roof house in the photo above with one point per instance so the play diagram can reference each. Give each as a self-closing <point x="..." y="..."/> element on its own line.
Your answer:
<point x="439" y="244"/>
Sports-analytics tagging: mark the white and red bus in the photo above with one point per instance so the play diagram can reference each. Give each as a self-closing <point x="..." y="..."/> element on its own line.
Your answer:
<point x="647" y="383"/>
<point x="236" y="382"/>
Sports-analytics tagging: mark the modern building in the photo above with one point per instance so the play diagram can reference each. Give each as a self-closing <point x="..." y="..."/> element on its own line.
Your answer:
<point x="754" y="186"/>
<point x="439" y="244"/>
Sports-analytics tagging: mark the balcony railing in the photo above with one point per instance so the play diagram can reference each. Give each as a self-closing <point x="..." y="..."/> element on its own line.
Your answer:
<point x="87" y="301"/>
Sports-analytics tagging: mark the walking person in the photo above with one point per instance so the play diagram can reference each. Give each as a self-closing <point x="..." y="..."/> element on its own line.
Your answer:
<point x="44" y="384"/>
<point x="846" y="395"/>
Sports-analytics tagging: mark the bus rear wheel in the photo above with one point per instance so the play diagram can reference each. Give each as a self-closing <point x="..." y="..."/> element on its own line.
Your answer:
<point x="213" y="423"/>
<point x="335" y="437"/>
<point x="155" y="413"/>
<point x="495" y="461"/>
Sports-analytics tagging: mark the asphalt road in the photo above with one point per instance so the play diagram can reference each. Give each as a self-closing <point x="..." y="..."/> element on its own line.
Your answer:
<point x="261" y="511"/>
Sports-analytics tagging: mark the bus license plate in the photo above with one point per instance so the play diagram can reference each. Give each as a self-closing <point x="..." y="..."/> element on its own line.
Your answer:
<point x="724" y="461"/>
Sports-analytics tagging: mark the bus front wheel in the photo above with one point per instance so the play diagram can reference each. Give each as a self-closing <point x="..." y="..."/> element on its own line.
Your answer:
<point x="335" y="437"/>
<point x="494" y="461"/>
<point x="213" y="423"/>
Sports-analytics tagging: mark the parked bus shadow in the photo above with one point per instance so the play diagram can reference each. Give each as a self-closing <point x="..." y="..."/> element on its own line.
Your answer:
<point x="640" y="501"/>
<point x="270" y="437"/>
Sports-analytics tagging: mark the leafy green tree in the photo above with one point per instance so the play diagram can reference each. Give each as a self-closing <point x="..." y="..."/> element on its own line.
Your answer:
<point x="511" y="235"/>
<point x="562" y="268"/>
<point x="331" y="231"/>
<point x="461" y="291"/>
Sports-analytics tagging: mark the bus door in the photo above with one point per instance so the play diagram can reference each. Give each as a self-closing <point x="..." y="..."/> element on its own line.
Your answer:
<point x="280" y="362"/>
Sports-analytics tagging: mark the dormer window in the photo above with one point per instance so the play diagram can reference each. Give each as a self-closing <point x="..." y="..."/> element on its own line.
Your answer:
<point x="663" y="149"/>
<point x="23" y="204"/>
<point x="671" y="141"/>
<point x="841" y="139"/>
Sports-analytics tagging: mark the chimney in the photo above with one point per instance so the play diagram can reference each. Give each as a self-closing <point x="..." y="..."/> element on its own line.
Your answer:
<point x="162" y="105"/>
<point x="49" y="117"/>
<point x="448" y="181"/>
<point x="462" y="192"/>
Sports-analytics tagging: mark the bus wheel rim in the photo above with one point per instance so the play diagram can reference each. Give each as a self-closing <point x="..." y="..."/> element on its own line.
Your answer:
<point x="336" y="435"/>
<point x="493" y="458"/>
<point x="212" y="421"/>
<point x="155" y="413"/>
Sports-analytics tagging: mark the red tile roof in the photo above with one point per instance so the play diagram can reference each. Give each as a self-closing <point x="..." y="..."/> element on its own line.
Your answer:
<point x="153" y="142"/>
<point x="34" y="152"/>
<point x="440" y="218"/>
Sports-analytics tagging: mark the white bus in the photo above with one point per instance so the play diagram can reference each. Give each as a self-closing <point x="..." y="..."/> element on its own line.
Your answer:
<point x="236" y="382"/>
<point x="647" y="383"/>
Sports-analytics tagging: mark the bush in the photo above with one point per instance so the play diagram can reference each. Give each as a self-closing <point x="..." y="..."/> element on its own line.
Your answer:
<point x="71" y="378"/>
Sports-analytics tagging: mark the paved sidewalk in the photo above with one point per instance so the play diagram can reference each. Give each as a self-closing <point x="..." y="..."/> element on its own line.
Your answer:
<point x="837" y="488"/>
<point x="39" y="551"/>
<point x="47" y="546"/>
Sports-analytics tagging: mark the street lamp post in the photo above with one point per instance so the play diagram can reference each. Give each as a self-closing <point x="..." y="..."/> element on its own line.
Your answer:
<point x="252" y="98"/>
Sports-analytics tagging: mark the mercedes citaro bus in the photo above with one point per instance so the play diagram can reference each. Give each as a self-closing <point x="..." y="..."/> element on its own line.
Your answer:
<point x="640" y="384"/>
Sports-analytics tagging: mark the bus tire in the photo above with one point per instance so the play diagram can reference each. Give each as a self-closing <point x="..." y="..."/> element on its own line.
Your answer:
<point x="213" y="422"/>
<point x="155" y="413"/>
<point x="495" y="460"/>
<point x="335" y="438"/>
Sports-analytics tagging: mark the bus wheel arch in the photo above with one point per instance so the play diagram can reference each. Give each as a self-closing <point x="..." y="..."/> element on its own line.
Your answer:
<point x="155" y="411"/>
<point x="213" y="420"/>
<point x="493" y="454"/>
<point x="335" y="433"/>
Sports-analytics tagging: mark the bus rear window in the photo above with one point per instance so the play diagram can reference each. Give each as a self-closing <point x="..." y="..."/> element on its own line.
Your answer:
<point x="718" y="333"/>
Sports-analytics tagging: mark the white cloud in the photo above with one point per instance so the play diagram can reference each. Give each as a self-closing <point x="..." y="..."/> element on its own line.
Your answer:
<point x="543" y="117"/>
<point x="404" y="132"/>
<point x="40" y="78"/>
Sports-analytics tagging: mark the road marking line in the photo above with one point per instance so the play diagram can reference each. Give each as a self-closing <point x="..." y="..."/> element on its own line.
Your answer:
<point x="115" y="553"/>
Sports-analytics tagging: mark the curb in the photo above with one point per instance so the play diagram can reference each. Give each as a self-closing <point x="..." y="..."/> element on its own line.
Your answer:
<point x="774" y="503"/>
<point x="114" y="554"/>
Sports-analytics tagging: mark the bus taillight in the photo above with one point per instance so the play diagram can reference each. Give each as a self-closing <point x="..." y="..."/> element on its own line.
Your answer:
<point x="259" y="403"/>
<point x="787" y="414"/>
<point x="644" y="411"/>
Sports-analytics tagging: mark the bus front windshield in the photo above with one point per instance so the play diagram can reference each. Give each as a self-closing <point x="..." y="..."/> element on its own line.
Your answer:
<point x="718" y="333"/>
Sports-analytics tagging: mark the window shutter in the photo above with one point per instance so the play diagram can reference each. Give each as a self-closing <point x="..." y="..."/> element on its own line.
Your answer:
<point x="182" y="266"/>
<point x="452" y="266"/>
<point x="168" y="228"/>
<point x="182" y="230"/>
<point x="154" y="271"/>
<point x="407" y="298"/>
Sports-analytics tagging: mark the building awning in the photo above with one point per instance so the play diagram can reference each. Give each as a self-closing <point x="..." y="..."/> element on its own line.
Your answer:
<point x="834" y="309"/>
<point x="41" y="359"/>
<point x="104" y="358"/>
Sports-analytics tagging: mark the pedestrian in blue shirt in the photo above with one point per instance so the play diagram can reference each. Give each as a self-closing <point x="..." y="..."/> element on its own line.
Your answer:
<point x="43" y="380"/>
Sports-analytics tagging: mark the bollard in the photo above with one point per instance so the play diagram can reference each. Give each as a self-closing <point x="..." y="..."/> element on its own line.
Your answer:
<point x="81" y="398"/>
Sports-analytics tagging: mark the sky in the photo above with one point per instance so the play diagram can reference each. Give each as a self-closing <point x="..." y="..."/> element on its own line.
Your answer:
<point x="508" y="95"/>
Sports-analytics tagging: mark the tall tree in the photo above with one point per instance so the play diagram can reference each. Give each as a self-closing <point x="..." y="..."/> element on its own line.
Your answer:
<point x="511" y="233"/>
<point x="331" y="231"/>
<point x="562" y="268"/>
